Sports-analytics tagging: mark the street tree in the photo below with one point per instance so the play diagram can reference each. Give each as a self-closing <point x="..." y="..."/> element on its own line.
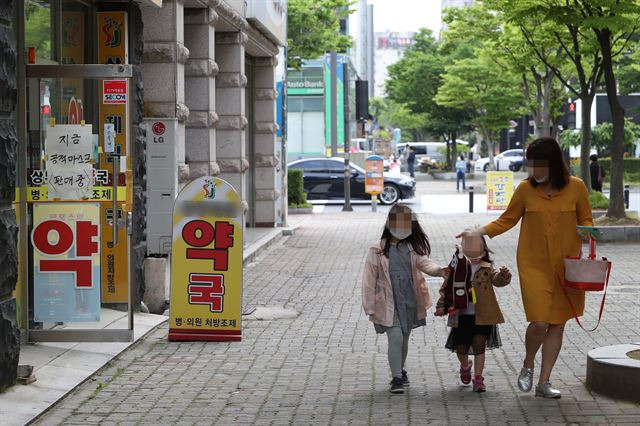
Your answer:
<point x="607" y="28"/>
<point x="479" y="25"/>
<point x="492" y="93"/>
<point x="314" y="29"/>
<point x="541" y="22"/>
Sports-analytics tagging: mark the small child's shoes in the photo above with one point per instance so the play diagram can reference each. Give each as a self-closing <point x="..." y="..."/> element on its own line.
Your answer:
<point x="465" y="373"/>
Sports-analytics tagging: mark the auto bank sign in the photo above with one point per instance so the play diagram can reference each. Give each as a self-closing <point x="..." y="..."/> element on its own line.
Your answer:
<point x="271" y="17"/>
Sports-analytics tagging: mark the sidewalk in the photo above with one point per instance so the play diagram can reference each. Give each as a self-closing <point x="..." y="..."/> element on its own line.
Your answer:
<point x="327" y="365"/>
<point x="61" y="367"/>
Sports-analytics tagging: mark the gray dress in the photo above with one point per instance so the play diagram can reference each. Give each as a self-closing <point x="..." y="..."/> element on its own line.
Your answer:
<point x="404" y="297"/>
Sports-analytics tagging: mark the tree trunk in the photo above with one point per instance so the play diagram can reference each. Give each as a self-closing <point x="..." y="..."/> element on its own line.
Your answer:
<point x="454" y="151"/>
<point x="546" y="105"/>
<point x="585" y="146"/>
<point x="616" y="196"/>
<point x="448" y="156"/>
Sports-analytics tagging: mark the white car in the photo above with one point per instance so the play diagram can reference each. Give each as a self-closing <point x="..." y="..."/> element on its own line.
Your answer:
<point x="502" y="160"/>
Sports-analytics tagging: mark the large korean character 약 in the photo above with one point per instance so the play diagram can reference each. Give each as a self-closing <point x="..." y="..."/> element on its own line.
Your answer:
<point x="199" y="234"/>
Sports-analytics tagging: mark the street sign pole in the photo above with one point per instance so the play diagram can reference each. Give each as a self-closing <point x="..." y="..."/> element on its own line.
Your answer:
<point x="334" y="103"/>
<point x="347" y="170"/>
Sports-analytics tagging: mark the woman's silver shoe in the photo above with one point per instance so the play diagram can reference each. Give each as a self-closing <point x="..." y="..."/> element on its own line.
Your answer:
<point x="525" y="379"/>
<point x="545" y="390"/>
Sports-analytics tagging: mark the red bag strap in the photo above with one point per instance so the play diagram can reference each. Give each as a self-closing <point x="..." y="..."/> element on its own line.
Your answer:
<point x="573" y="309"/>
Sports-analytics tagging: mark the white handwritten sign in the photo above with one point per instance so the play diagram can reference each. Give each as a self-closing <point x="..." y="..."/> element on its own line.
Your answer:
<point x="69" y="161"/>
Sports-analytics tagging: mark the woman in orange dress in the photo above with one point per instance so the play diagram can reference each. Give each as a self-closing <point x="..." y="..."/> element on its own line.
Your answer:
<point x="551" y="204"/>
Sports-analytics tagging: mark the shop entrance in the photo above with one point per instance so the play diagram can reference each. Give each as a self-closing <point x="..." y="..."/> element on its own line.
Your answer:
<point x="75" y="179"/>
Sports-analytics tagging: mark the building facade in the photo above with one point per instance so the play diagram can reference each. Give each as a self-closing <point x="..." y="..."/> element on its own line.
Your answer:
<point x="389" y="49"/>
<point x="142" y="97"/>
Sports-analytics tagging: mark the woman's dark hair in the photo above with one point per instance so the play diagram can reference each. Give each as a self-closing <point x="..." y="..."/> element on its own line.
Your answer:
<point x="594" y="157"/>
<point x="462" y="157"/>
<point x="418" y="238"/>
<point x="548" y="150"/>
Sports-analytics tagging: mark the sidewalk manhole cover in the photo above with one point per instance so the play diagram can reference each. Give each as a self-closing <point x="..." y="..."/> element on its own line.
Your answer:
<point x="268" y="313"/>
<point x="634" y="354"/>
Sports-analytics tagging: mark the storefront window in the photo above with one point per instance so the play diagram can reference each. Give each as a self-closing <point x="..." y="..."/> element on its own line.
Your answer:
<point x="38" y="29"/>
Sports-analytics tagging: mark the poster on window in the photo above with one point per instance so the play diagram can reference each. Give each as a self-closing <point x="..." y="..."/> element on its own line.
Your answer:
<point x="499" y="190"/>
<point x="66" y="262"/>
<point x="69" y="161"/>
<point x="206" y="262"/>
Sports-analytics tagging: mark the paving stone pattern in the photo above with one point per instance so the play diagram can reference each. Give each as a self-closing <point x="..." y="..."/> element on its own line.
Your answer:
<point x="327" y="366"/>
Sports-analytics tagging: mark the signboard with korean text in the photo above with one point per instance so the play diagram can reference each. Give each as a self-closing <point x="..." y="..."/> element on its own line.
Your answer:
<point x="115" y="262"/>
<point x="206" y="262"/>
<point x="66" y="262"/>
<point x="374" y="177"/>
<point x="113" y="48"/>
<point x="69" y="161"/>
<point x="499" y="190"/>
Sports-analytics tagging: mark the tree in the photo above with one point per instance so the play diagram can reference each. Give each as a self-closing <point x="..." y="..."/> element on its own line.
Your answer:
<point x="542" y="20"/>
<point x="490" y="92"/>
<point x="479" y="25"/>
<point x="314" y="29"/>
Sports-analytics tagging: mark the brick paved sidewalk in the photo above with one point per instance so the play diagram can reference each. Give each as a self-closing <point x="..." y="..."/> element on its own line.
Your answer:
<point x="327" y="366"/>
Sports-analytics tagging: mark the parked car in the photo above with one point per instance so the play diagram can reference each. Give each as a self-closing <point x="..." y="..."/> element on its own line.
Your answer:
<point x="502" y="160"/>
<point x="324" y="180"/>
<point x="516" y="165"/>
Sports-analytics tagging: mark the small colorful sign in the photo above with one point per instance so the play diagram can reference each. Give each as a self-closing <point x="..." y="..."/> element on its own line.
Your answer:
<point x="114" y="92"/>
<point x="66" y="262"/>
<point x="374" y="177"/>
<point x="206" y="262"/>
<point x="499" y="190"/>
<point x="115" y="261"/>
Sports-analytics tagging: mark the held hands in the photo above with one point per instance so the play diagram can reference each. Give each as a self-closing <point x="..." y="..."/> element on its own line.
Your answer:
<point x="445" y="272"/>
<point x="506" y="273"/>
<point x="474" y="233"/>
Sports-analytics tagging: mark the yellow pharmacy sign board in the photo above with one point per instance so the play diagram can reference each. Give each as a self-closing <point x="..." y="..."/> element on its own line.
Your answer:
<point x="499" y="190"/>
<point x="206" y="262"/>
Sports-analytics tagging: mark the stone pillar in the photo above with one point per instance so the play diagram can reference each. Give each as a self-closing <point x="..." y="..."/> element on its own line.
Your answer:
<point x="9" y="333"/>
<point x="200" y="89"/>
<point x="163" y="66"/>
<point x="230" y="106"/>
<point x="265" y="128"/>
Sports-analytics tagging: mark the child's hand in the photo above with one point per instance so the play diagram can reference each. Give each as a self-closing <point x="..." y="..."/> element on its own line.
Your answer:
<point x="439" y="312"/>
<point x="445" y="272"/>
<point x="506" y="274"/>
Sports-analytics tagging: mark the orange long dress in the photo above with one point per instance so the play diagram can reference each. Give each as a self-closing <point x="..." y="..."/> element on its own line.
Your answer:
<point x="547" y="235"/>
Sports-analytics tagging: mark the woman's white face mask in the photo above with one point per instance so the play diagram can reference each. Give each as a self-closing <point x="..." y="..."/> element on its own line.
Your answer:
<point x="400" y="233"/>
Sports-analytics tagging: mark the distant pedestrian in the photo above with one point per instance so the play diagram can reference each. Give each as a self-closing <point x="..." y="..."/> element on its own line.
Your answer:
<point x="411" y="161"/>
<point x="404" y="155"/>
<point x="394" y="292"/>
<point x="461" y="170"/>
<point x="597" y="173"/>
<point x="474" y="328"/>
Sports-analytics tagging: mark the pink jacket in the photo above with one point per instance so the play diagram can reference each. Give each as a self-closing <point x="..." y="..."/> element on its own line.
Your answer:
<point x="377" y="294"/>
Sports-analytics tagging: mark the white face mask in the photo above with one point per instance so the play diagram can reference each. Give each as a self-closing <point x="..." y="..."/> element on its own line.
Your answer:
<point x="543" y="180"/>
<point x="400" y="234"/>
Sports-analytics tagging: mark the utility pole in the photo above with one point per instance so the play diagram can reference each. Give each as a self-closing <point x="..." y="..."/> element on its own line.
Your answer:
<point x="334" y="103"/>
<point x="347" y="136"/>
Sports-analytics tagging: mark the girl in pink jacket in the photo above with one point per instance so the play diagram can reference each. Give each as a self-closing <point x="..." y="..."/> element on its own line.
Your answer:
<point x="394" y="291"/>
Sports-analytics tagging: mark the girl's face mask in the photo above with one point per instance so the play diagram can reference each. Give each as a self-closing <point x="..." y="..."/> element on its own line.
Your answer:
<point x="538" y="170"/>
<point x="400" y="225"/>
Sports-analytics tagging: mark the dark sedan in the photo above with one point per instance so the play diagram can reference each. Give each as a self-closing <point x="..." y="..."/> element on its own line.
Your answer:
<point x="324" y="180"/>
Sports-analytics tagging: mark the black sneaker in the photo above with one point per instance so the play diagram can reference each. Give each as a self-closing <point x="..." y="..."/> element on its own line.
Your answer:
<point x="396" y="385"/>
<point x="405" y="378"/>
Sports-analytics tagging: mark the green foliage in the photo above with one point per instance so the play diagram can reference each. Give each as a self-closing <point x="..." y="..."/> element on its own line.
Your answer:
<point x="295" y="188"/>
<point x="492" y="93"/>
<point x="629" y="165"/>
<point x="598" y="200"/>
<point x="603" y="135"/>
<point x="313" y="28"/>
<point x="38" y="29"/>
<point x="570" y="138"/>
